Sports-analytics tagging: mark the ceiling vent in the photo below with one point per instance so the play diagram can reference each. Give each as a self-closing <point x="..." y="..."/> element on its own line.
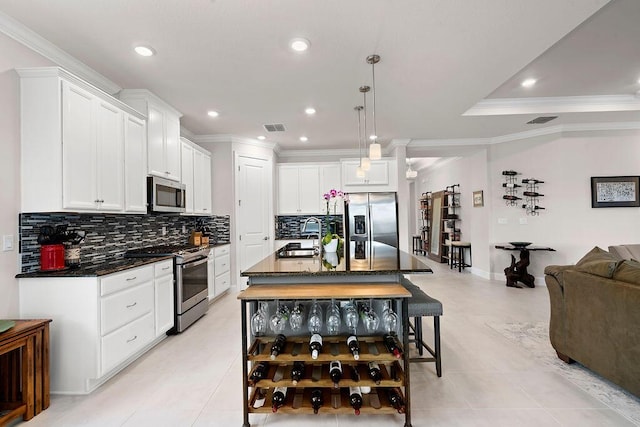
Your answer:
<point x="542" y="119"/>
<point x="276" y="127"/>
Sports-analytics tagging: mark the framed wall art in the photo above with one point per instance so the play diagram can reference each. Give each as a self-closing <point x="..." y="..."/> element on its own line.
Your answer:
<point x="478" y="199"/>
<point x="615" y="191"/>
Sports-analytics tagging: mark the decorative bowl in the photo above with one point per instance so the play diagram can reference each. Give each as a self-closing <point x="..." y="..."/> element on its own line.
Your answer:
<point x="520" y="244"/>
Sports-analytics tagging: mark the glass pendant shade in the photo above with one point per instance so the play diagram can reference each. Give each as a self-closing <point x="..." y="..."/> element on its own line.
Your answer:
<point x="360" y="172"/>
<point x="365" y="164"/>
<point x="375" y="152"/>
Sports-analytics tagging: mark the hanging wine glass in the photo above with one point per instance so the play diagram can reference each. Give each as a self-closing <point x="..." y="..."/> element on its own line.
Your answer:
<point x="314" y="321"/>
<point x="389" y="318"/>
<point x="333" y="319"/>
<point x="297" y="316"/>
<point x="370" y="318"/>
<point x="259" y="319"/>
<point x="279" y="319"/>
<point x="350" y="315"/>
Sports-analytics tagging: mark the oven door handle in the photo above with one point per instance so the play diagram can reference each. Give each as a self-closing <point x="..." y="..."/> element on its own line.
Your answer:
<point x="194" y="263"/>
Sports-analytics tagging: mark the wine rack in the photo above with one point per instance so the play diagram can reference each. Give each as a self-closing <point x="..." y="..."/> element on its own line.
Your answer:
<point x="450" y="218"/>
<point x="425" y="217"/>
<point x="355" y="373"/>
<point x="511" y="186"/>
<point x="532" y="196"/>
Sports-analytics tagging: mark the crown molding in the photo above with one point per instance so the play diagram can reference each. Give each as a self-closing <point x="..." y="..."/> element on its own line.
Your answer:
<point x="547" y="105"/>
<point x="20" y="33"/>
<point x="233" y="139"/>
<point x="345" y="152"/>
<point x="187" y="133"/>
<point x="465" y="142"/>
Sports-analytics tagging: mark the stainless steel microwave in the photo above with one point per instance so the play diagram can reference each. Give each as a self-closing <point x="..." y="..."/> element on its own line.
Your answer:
<point x="165" y="195"/>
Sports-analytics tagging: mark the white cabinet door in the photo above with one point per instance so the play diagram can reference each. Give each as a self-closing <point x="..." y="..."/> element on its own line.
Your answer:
<point x="309" y="189"/>
<point x="288" y="190"/>
<point x="188" y="176"/>
<point x="155" y="142"/>
<point x="135" y="159"/>
<point x="110" y="157"/>
<point x="381" y="176"/>
<point x="172" y="147"/>
<point x="211" y="276"/>
<point x="206" y="184"/>
<point x="223" y="282"/>
<point x="164" y="305"/>
<point x="330" y="179"/>
<point x="79" y="149"/>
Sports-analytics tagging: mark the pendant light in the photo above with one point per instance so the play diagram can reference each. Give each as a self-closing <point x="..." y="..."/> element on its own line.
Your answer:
<point x="410" y="174"/>
<point x="375" y="151"/>
<point x="365" y="163"/>
<point x="359" y="170"/>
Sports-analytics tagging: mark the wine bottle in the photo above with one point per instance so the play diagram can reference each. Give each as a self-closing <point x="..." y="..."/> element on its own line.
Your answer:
<point x="277" y="399"/>
<point x="315" y="345"/>
<point x="509" y="173"/>
<point x="335" y="372"/>
<point x="259" y="372"/>
<point x="354" y="346"/>
<point x="532" y="181"/>
<point x="278" y="345"/>
<point x="532" y="207"/>
<point x="297" y="372"/>
<point x="511" y="185"/>
<point x="396" y="400"/>
<point x="532" y="194"/>
<point x="392" y="345"/>
<point x="316" y="399"/>
<point x="355" y="399"/>
<point x="374" y="372"/>
<point x="508" y="197"/>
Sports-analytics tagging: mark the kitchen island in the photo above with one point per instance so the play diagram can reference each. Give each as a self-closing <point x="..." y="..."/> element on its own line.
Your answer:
<point x="370" y="280"/>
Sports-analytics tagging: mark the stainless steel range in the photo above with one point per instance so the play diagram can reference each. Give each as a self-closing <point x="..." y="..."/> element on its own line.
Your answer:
<point x="190" y="279"/>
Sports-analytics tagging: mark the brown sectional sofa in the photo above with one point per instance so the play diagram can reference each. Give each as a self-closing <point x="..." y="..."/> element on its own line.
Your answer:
<point x="595" y="315"/>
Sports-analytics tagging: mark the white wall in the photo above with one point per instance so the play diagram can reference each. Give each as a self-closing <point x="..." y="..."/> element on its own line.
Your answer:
<point x="14" y="55"/>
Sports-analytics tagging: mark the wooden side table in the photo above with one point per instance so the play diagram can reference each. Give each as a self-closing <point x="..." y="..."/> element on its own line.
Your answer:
<point x="24" y="370"/>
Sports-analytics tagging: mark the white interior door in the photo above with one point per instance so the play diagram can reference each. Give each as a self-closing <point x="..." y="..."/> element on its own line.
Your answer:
<point x="254" y="212"/>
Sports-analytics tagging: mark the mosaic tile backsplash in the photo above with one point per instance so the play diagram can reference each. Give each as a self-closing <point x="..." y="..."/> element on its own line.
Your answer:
<point x="288" y="226"/>
<point x="110" y="236"/>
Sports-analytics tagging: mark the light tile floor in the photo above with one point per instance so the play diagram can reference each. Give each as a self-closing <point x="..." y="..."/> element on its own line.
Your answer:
<point x="194" y="379"/>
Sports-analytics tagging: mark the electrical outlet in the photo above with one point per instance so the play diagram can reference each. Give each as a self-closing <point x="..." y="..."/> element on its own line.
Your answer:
<point x="502" y="221"/>
<point x="7" y="243"/>
<point x="164" y="230"/>
<point x="523" y="220"/>
<point x="184" y="229"/>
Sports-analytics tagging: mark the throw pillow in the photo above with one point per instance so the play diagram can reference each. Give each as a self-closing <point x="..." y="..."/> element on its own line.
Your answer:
<point x="598" y="262"/>
<point x="628" y="271"/>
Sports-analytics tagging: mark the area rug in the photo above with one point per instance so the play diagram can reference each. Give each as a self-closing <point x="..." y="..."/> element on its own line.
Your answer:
<point x="534" y="338"/>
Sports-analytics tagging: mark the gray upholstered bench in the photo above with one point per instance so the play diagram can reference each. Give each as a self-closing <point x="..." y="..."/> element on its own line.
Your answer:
<point x="421" y="304"/>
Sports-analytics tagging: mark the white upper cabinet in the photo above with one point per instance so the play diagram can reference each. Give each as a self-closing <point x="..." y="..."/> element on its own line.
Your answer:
<point x="299" y="190"/>
<point x="135" y="164"/>
<point x="381" y="177"/>
<point x="196" y="176"/>
<point x="330" y="179"/>
<point x="163" y="132"/>
<point x="72" y="144"/>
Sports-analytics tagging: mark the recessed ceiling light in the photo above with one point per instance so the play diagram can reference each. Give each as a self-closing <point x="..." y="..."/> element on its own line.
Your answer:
<point x="528" y="82"/>
<point x="212" y="113"/>
<point x="310" y="111"/>
<point x="262" y="137"/>
<point x="144" y="50"/>
<point x="373" y="137"/>
<point x="299" y="44"/>
<point x="304" y="139"/>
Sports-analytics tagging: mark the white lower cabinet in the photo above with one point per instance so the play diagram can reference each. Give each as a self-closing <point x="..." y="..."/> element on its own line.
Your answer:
<point x="219" y="270"/>
<point x="100" y="324"/>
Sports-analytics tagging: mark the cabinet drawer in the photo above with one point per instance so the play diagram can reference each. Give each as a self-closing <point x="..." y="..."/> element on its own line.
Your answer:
<point x="163" y="268"/>
<point x="222" y="283"/>
<point x="122" y="343"/>
<point x="126" y="279"/>
<point x="221" y="250"/>
<point x="221" y="264"/>
<point x="121" y="308"/>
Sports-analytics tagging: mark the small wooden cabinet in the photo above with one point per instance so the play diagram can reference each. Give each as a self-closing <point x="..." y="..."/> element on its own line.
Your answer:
<point x="395" y="372"/>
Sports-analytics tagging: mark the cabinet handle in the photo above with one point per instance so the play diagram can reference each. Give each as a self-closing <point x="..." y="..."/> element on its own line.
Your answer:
<point x="132" y="305"/>
<point x="96" y="201"/>
<point x="132" y="339"/>
<point x="132" y="278"/>
<point x="224" y="265"/>
<point x="166" y="268"/>
<point x="168" y="173"/>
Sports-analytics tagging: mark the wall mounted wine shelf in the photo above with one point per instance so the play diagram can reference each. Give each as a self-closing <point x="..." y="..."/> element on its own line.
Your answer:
<point x="532" y="195"/>
<point x="511" y="186"/>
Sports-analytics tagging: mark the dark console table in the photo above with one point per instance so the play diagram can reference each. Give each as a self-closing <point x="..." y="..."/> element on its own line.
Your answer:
<point x="517" y="271"/>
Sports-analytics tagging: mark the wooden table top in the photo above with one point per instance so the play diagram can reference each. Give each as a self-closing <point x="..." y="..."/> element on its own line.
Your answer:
<point x="324" y="291"/>
<point x="21" y="327"/>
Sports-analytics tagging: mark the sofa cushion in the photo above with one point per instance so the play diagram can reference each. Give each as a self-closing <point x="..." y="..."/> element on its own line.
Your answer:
<point x="628" y="271"/>
<point x="626" y="251"/>
<point x="598" y="262"/>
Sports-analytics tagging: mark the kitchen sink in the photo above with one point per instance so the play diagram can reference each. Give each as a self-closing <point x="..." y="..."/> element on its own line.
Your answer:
<point x="294" y="250"/>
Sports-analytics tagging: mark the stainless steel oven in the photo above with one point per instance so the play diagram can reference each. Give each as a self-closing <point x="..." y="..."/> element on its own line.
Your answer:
<point x="190" y="280"/>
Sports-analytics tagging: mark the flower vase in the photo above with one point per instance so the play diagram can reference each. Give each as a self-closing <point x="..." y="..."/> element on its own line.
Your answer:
<point x="331" y="246"/>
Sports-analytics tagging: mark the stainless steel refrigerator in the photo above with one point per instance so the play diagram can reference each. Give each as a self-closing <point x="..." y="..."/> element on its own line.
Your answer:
<point x="371" y="230"/>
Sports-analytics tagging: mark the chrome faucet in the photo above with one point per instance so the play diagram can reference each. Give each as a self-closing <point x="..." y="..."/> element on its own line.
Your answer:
<point x="318" y="233"/>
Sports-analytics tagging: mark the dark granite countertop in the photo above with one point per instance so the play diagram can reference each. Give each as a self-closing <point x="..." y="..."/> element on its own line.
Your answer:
<point x="384" y="259"/>
<point x="95" y="270"/>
